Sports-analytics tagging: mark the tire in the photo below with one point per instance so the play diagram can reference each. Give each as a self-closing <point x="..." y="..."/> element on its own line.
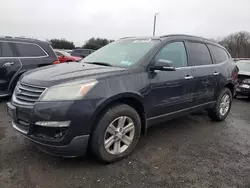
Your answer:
<point x="215" y="113"/>
<point x="100" y="134"/>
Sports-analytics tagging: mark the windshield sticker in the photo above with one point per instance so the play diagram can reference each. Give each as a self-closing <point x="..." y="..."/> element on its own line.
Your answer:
<point x="142" y="41"/>
<point x="127" y="63"/>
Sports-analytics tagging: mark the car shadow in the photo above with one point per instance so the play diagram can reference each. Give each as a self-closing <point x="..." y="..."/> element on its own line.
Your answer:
<point x="5" y="99"/>
<point x="243" y="98"/>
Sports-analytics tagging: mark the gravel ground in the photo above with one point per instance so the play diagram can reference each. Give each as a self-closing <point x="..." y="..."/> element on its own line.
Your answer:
<point x="190" y="151"/>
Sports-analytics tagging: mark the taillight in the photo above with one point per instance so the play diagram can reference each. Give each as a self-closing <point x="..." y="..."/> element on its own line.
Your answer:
<point x="235" y="75"/>
<point x="56" y="62"/>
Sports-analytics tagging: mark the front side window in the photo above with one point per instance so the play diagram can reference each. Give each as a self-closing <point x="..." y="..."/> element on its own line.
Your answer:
<point x="29" y="50"/>
<point x="199" y="54"/>
<point x="5" y="50"/>
<point x="174" y="52"/>
<point x="219" y="54"/>
<point x="122" y="53"/>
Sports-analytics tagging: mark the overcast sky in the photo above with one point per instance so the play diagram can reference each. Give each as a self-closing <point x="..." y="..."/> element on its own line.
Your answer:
<point x="78" y="20"/>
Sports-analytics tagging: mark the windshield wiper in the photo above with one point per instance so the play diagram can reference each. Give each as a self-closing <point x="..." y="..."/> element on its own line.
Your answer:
<point x="99" y="63"/>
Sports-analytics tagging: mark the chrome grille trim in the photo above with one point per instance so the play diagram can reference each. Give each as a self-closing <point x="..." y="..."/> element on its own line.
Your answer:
<point x="26" y="94"/>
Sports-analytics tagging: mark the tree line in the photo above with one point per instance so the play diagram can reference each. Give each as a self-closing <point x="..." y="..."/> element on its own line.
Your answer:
<point x="238" y="44"/>
<point x="92" y="43"/>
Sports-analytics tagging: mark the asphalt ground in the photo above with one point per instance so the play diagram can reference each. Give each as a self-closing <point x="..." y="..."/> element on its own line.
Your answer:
<point x="190" y="151"/>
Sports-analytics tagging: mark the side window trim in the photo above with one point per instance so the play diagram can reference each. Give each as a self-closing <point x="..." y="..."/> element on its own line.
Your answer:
<point x="189" y="55"/>
<point x="211" y="56"/>
<point x="226" y="52"/>
<point x="13" y="47"/>
<point x="164" y="45"/>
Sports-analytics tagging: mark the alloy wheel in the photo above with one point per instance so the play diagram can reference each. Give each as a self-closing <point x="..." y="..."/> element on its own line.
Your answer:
<point x="119" y="135"/>
<point x="225" y="104"/>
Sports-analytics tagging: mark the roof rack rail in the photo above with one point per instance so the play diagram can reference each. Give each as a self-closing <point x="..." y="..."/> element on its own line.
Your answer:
<point x="127" y="37"/>
<point x="184" y="35"/>
<point x="11" y="37"/>
<point x="3" y="36"/>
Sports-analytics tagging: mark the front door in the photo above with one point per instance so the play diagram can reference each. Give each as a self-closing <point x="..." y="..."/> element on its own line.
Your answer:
<point x="9" y="65"/>
<point x="171" y="90"/>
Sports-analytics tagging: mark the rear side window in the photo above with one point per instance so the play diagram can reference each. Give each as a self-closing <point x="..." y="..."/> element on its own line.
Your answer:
<point x="5" y="50"/>
<point x="174" y="52"/>
<point x="29" y="50"/>
<point x="219" y="54"/>
<point x="199" y="54"/>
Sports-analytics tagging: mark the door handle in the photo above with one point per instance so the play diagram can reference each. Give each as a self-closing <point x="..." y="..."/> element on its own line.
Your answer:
<point x="189" y="77"/>
<point x="216" y="73"/>
<point x="7" y="64"/>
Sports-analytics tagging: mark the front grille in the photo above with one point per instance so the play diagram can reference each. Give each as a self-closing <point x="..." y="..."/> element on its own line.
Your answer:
<point x="26" y="94"/>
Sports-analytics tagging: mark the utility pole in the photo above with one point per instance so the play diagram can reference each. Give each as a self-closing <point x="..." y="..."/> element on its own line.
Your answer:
<point x="154" y="23"/>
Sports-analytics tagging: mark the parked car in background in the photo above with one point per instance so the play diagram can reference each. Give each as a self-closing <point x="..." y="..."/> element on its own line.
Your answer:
<point x="119" y="91"/>
<point x="81" y="52"/>
<point x="244" y="78"/>
<point x="18" y="55"/>
<point x="66" y="57"/>
<point x="69" y="51"/>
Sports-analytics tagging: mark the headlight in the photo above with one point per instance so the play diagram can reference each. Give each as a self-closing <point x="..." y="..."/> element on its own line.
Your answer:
<point x="69" y="91"/>
<point x="246" y="81"/>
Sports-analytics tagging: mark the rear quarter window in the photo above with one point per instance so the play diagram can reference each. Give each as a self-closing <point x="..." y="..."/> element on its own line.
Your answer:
<point x="219" y="54"/>
<point x="30" y="50"/>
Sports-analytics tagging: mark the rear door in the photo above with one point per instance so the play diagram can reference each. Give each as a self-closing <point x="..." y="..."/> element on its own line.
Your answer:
<point x="204" y="72"/>
<point x="171" y="90"/>
<point x="9" y="65"/>
<point x="31" y="55"/>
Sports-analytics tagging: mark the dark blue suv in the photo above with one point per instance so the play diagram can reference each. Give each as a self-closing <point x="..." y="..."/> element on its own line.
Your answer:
<point x="109" y="99"/>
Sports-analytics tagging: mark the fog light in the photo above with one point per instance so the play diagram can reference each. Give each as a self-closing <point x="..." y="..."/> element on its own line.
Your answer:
<point x="53" y="123"/>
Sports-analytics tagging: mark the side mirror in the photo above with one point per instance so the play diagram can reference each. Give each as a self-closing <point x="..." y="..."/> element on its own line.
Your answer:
<point x="163" y="65"/>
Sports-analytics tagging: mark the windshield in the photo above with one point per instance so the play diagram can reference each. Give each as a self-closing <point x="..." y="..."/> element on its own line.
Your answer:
<point x="243" y="65"/>
<point x="122" y="53"/>
<point x="60" y="53"/>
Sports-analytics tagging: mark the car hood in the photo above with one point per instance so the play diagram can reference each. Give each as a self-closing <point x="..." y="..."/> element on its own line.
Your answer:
<point x="245" y="73"/>
<point x="66" y="72"/>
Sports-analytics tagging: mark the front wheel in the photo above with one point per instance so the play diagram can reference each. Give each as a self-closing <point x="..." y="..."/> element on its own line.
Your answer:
<point x="222" y="107"/>
<point x="116" y="134"/>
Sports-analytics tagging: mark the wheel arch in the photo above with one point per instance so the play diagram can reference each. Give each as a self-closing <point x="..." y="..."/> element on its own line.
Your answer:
<point x="230" y="86"/>
<point x="132" y="99"/>
<point x="14" y="80"/>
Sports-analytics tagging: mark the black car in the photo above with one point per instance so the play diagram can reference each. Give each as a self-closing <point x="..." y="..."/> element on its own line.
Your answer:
<point x="17" y="55"/>
<point x="244" y="78"/>
<point x="81" y="52"/>
<point x="120" y="90"/>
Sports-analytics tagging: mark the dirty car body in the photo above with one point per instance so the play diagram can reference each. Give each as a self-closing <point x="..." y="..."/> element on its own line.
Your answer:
<point x="244" y="78"/>
<point x="64" y="126"/>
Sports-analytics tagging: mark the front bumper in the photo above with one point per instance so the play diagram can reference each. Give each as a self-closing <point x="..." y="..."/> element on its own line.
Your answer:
<point x="73" y="140"/>
<point x="243" y="89"/>
<point x="77" y="147"/>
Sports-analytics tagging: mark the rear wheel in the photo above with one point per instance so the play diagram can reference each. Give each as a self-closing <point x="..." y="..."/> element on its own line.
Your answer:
<point x="222" y="107"/>
<point x="116" y="134"/>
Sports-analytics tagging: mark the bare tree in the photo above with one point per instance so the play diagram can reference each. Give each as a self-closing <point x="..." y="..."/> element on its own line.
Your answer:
<point x="238" y="44"/>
